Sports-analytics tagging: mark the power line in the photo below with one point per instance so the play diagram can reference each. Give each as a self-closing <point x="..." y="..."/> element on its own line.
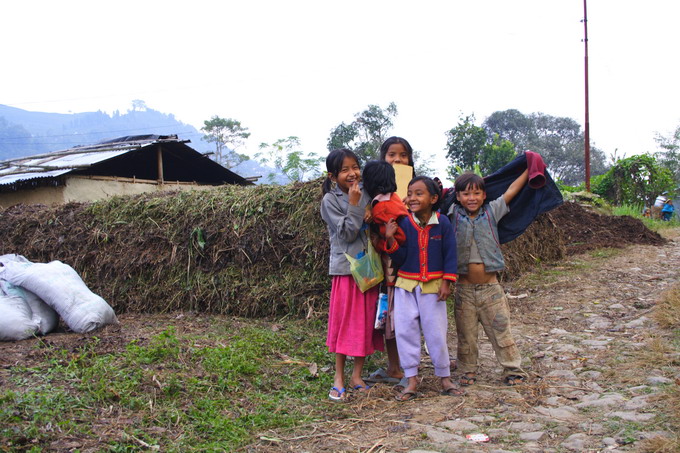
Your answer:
<point x="21" y="139"/>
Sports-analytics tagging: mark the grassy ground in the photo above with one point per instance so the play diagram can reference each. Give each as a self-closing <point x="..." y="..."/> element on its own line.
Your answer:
<point x="207" y="388"/>
<point x="190" y="382"/>
<point x="663" y="352"/>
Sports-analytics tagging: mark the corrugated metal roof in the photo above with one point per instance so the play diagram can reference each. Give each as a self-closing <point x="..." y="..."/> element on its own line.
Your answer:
<point x="61" y="162"/>
<point x="133" y="157"/>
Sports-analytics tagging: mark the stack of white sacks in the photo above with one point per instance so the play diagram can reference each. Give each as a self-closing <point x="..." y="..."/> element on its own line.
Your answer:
<point x="34" y="295"/>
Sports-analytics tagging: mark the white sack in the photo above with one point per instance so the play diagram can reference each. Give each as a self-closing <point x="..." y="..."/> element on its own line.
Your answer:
<point x="43" y="314"/>
<point x="16" y="319"/>
<point x="60" y="286"/>
<point x="13" y="258"/>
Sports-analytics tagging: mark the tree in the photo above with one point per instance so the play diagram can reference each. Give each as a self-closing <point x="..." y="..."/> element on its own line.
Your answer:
<point x="366" y="133"/>
<point x="634" y="180"/>
<point x="496" y="154"/>
<point x="289" y="160"/>
<point x="511" y="125"/>
<point x="558" y="140"/>
<point x="423" y="165"/>
<point x="670" y="157"/>
<point x="224" y="132"/>
<point x="15" y="141"/>
<point x="138" y="104"/>
<point x="464" y="144"/>
<point x="342" y="136"/>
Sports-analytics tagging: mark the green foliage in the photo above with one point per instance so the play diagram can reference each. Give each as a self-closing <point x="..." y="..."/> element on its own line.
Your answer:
<point x="464" y="143"/>
<point x="558" y="140"/>
<point x="284" y="155"/>
<point x="633" y="180"/>
<point x="366" y="133"/>
<point x="214" y="388"/>
<point x="670" y="157"/>
<point x="471" y="148"/>
<point x="225" y="132"/>
<point x="423" y="164"/>
<point x="496" y="154"/>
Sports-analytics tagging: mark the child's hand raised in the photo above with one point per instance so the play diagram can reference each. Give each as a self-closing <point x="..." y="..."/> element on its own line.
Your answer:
<point x="368" y="214"/>
<point x="391" y="228"/>
<point x="354" y="193"/>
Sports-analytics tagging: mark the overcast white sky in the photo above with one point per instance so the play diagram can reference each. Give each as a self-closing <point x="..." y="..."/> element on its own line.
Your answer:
<point x="301" y="67"/>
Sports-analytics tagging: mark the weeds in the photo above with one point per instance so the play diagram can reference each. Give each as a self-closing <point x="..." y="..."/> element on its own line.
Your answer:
<point x="661" y="353"/>
<point x="211" y="390"/>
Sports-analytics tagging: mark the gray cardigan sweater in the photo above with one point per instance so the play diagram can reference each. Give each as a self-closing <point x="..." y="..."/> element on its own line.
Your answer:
<point x="344" y="228"/>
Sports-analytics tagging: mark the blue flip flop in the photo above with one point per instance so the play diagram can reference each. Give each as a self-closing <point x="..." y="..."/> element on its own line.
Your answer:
<point x="361" y="387"/>
<point x="339" y="397"/>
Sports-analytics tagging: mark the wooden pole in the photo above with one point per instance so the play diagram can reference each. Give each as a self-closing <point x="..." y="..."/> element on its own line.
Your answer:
<point x="159" y="160"/>
<point x="587" y="118"/>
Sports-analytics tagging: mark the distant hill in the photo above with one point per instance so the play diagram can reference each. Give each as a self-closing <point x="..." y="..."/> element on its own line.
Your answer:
<point x="24" y="133"/>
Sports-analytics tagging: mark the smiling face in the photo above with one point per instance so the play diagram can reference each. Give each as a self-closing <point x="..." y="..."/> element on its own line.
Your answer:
<point x="348" y="174"/>
<point x="471" y="199"/>
<point x="396" y="154"/>
<point x="420" y="200"/>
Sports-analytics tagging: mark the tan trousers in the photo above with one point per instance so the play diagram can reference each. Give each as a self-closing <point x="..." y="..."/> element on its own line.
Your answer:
<point x="485" y="304"/>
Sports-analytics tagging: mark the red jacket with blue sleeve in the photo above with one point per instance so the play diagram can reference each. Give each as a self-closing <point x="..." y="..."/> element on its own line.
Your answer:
<point x="429" y="252"/>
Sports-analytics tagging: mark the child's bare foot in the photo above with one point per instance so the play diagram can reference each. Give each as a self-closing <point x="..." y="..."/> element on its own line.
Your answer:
<point x="409" y="391"/>
<point x="395" y="373"/>
<point x="359" y="385"/>
<point x="449" y="388"/>
<point x="514" y="379"/>
<point x="467" y="379"/>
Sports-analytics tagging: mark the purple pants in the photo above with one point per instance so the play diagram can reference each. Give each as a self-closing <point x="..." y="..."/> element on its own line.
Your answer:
<point x="415" y="312"/>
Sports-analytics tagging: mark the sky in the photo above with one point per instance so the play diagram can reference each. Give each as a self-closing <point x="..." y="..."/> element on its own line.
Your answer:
<point x="300" y="68"/>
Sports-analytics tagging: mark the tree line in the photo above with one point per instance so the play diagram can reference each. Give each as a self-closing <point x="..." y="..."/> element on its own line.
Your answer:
<point x="482" y="148"/>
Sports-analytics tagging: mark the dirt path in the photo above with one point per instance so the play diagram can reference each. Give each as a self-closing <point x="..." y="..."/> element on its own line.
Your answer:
<point x="578" y="326"/>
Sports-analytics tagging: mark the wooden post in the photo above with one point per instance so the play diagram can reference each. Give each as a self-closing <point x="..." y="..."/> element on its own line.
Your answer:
<point x="159" y="154"/>
<point x="587" y="119"/>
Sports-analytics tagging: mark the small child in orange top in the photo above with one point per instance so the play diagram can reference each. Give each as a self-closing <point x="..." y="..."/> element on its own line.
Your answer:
<point x="380" y="185"/>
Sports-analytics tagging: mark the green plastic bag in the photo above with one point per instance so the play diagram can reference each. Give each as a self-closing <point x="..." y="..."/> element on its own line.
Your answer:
<point x="367" y="270"/>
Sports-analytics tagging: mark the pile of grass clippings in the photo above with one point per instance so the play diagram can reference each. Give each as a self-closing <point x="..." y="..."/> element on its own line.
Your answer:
<point x="252" y="251"/>
<point x="542" y="242"/>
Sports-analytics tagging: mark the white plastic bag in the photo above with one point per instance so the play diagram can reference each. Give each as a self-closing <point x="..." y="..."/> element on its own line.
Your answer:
<point x="60" y="286"/>
<point x="43" y="314"/>
<point x="16" y="319"/>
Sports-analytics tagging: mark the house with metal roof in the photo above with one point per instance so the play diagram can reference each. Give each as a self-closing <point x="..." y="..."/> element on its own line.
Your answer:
<point x="122" y="166"/>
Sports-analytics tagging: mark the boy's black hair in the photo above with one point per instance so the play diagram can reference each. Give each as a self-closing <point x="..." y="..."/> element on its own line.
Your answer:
<point x="379" y="178"/>
<point x="334" y="162"/>
<point x="432" y="187"/>
<point x="468" y="179"/>
<point x="394" y="141"/>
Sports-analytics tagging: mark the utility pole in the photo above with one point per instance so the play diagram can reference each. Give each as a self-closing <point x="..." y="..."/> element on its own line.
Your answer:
<point x="587" y="122"/>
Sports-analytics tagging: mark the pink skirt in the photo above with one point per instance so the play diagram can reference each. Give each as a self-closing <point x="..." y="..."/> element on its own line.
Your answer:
<point x="351" y="317"/>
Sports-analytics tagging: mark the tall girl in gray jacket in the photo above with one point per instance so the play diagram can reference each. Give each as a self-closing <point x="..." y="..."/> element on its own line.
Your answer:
<point x="351" y="313"/>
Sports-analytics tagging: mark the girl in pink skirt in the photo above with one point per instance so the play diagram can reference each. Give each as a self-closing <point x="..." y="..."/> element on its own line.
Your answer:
<point x="351" y="313"/>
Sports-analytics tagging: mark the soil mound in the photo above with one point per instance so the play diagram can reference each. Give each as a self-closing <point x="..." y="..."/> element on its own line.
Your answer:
<point x="584" y="230"/>
<point x="246" y="251"/>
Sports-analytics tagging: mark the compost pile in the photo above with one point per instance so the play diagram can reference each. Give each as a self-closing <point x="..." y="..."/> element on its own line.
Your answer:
<point x="583" y="230"/>
<point x="246" y="251"/>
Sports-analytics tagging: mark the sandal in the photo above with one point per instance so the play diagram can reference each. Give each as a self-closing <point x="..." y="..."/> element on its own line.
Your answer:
<point x="514" y="379"/>
<point x="453" y="391"/>
<point x="340" y="394"/>
<point x="361" y="388"/>
<point x="403" y="383"/>
<point x="467" y="379"/>
<point x="380" y="375"/>
<point x="406" y="395"/>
